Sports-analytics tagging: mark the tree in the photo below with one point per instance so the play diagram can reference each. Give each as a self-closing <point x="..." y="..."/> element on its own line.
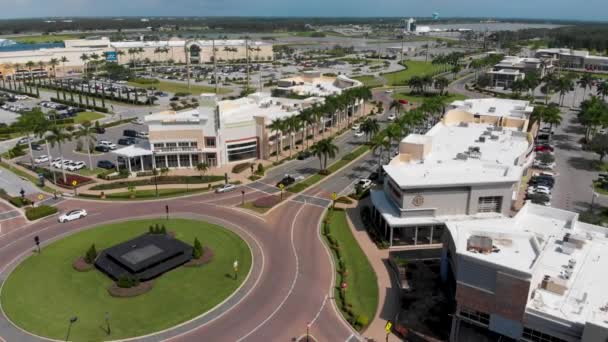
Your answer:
<point x="552" y="115"/>
<point x="32" y="122"/>
<point x="89" y="134"/>
<point x="397" y="106"/>
<point x="563" y="86"/>
<point x="602" y="89"/>
<point x="593" y="114"/>
<point x="277" y="125"/>
<point x="197" y="251"/>
<point x="84" y="58"/>
<point x="294" y="124"/>
<point x="599" y="145"/>
<point x="370" y="127"/>
<point x="54" y="62"/>
<point x="586" y="81"/>
<point x="63" y="60"/>
<point x="91" y="255"/>
<point x="202" y="168"/>
<point x="441" y="83"/>
<point x="325" y="149"/>
<point x="380" y="143"/>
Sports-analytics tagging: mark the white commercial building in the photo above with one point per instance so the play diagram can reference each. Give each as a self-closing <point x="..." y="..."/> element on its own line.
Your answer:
<point x="468" y="165"/>
<point x="312" y="83"/>
<point x="574" y="59"/>
<point x="513" y="68"/>
<point x="536" y="277"/>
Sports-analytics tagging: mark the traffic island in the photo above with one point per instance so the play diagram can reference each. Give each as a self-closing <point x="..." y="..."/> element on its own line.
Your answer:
<point x="44" y="291"/>
<point x="262" y="205"/>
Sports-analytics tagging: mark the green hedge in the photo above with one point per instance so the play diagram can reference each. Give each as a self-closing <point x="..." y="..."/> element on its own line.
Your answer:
<point x="238" y="168"/>
<point x="159" y="180"/>
<point x="141" y="80"/>
<point x="80" y="105"/>
<point x="39" y="212"/>
<point x="19" y="202"/>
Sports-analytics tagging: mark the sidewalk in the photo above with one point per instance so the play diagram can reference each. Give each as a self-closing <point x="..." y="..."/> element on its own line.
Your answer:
<point x="389" y="299"/>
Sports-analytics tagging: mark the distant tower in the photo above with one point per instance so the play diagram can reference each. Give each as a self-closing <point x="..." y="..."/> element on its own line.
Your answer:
<point x="410" y="25"/>
<point x="435" y="16"/>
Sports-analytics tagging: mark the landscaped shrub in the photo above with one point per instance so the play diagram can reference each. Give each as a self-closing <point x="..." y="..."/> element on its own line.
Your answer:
<point x="126" y="281"/>
<point x="80" y="105"/>
<point x="266" y="201"/>
<point x="159" y="180"/>
<point x="39" y="212"/>
<point x="261" y="170"/>
<point x="238" y="168"/>
<point x="197" y="251"/>
<point x="182" y="94"/>
<point x="19" y="202"/>
<point x="91" y="255"/>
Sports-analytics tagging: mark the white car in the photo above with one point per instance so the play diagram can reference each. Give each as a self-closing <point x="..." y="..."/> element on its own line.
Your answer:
<point x="542" y="188"/>
<point x="57" y="163"/>
<point x="389" y="91"/>
<point x="138" y="121"/>
<point x="143" y="135"/>
<point x="359" y="134"/>
<point x="539" y="191"/>
<point x="21" y="97"/>
<point x="225" y="188"/>
<point x="364" y="183"/>
<point x="356" y="127"/>
<point x="41" y="159"/>
<point x="109" y="144"/>
<point x="74" y="166"/>
<point x="72" y="215"/>
<point x="391" y="117"/>
<point x="548" y="166"/>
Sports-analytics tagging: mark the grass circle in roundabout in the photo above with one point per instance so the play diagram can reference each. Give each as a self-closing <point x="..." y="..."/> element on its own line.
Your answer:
<point x="44" y="291"/>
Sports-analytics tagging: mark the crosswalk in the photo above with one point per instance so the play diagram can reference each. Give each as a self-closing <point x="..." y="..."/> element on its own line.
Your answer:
<point x="267" y="188"/>
<point x="321" y="202"/>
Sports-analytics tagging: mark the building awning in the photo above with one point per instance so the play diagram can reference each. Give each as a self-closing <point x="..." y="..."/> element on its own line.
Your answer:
<point x="132" y="152"/>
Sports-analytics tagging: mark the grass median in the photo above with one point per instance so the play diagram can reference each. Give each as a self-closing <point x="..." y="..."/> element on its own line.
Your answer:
<point x="316" y="178"/>
<point x="147" y="194"/>
<point x="414" y="68"/>
<point x="175" y="87"/>
<point x="359" y="301"/>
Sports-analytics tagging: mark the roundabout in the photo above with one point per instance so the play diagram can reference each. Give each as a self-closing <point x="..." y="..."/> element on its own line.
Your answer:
<point x="44" y="291"/>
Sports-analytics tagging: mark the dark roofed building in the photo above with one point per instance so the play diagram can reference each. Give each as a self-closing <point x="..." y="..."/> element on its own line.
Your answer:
<point x="144" y="257"/>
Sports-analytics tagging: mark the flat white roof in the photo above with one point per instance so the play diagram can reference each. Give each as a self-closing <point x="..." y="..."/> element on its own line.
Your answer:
<point x="181" y="43"/>
<point x="532" y="243"/>
<point x="519" y="109"/>
<point x="188" y="116"/>
<point x="320" y="85"/>
<point x="261" y="104"/>
<point x="496" y="160"/>
<point x="133" y="151"/>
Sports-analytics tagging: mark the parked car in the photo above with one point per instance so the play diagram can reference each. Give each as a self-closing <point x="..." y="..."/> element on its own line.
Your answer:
<point x="105" y="164"/>
<point x="225" y="188"/>
<point x="23" y="141"/>
<point x="356" y="127"/>
<point x="543" y="148"/>
<point x="74" y="166"/>
<point x="364" y="183"/>
<point x="58" y="162"/>
<point x="41" y="159"/>
<point x="126" y="141"/>
<point x="359" y="134"/>
<point x="138" y="121"/>
<point x="541" y="165"/>
<point x="143" y="135"/>
<point x="107" y="143"/>
<point x="130" y="133"/>
<point x="72" y="215"/>
<point x="389" y="91"/>
<point x="102" y="148"/>
<point x="286" y="181"/>
<point x="391" y="117"/>
<point x="304" y="155"/>
<point x="539" y="190"/>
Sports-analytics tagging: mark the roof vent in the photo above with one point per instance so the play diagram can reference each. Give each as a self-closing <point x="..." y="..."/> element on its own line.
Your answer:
<point x="463" y="124"/>
<point x="462" y="156"/>
<point x="479" y="244"/>
<point x="554" y="285"/>
<point x="493" y="137"/>
<point x="481" y="139"/>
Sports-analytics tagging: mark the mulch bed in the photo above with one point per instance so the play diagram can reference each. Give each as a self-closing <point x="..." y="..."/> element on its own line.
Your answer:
<point x="81" y="266"/>
<point x="206" y="258"/>
<point x="140" y="289"/>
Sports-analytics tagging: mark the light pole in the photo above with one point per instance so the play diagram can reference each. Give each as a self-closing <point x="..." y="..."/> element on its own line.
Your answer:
<point x="243" y="199"/>
<point x="308" y="332"/>
<point x="72" y="321"/>
<point x="37" y="241"/>
<point x="235" y="266"/>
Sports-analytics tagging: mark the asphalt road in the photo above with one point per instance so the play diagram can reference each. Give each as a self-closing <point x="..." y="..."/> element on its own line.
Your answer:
<point x="13" y="184"/>
<point x="290" y="285"/>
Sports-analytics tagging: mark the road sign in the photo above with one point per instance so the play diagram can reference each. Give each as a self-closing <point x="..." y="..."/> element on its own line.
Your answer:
<point x="388" y="327"/>
<point x="334" y="196"/>
<point x="235" y="265"/>
<point x="74" y="183"/>
<point x="281" y="186"/>
<point x="40" y="197"/>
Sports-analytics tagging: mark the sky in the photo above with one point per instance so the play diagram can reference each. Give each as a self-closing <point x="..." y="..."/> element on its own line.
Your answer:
<point x="550" y="9"/>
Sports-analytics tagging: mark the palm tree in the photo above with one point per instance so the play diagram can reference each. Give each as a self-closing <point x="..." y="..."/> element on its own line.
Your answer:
<point x="441" y="83"/>
<point x="538" y="114"/>
<point x="563" y="86"/>
<point x="380" y="142"/>
<point x="84" y="58"/>
<point x="602" y="89"/>
<point x="586" y="81"/>
<point x="397" y="106"/>
<point x="277" y="125"/>
<point x="393" y="133"/>
<point x="593" y="113"/>
<point x="120" y="53"/>
<point x="456" y="69"/>
<point x="29" y="65"/>
<point x="552" y="115"/>
<point x="131" y="52"/>
<point x="370" y="127"/>
<point x="58" y="136"/>
<point x="294" y="125"/>
<point x="54" y="62"/>
<point x="94" y="57"/>
<point x="88" y="132"/>
<point x="308" y="119"/>
<point x="325" y="149"/>
<point x="32" y="122"/>
<point x="63" y="60"/>
<point x="202" y="168"/>
<point x="41" y="65"/>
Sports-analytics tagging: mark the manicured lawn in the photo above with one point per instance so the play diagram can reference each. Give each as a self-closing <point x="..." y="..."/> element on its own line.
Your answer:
<point x="87" y="116"/>
<point x="45" y="291"/>
<point x="414" y="68"/>
<point x="43" y="38"/>
<point x="87" y="172"/>
<point x="362" y="283"/>
<point x="174" y="87"/>
<point x="419" y="99"/>
<point x="370" y="81"/>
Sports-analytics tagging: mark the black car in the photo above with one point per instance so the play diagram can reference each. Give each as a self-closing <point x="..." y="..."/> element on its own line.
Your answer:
<point x="101" y="148"/>
<point x="36" y="147"/>
<point x="304" y="155"/>
<point x="126" y="141"/>
<point x="373" y="176"/>
<point x="286" y="181"/>
<point x="130" y="133"/>
<point x="105" y="164"/>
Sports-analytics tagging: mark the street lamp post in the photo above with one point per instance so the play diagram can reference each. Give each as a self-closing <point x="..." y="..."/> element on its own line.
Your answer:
<point x="308" y="332"/>
<point x="243" y="197"/>
<point x="167" y="210"/>
<point x="72" y="321"/>
<point x="235" y="266"/>
<point x="37" y="241"/>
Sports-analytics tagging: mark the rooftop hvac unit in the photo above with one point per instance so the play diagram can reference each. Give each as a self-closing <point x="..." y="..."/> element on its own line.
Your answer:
<point x="489" y="129"/>
<point x="463" y="124"/>
<point x="462" y="156"/>
<point x="482" y="139"/>
<point x="494" y="137"/>
<point x="498" y="129"/>
<point x="486" y="133"/>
